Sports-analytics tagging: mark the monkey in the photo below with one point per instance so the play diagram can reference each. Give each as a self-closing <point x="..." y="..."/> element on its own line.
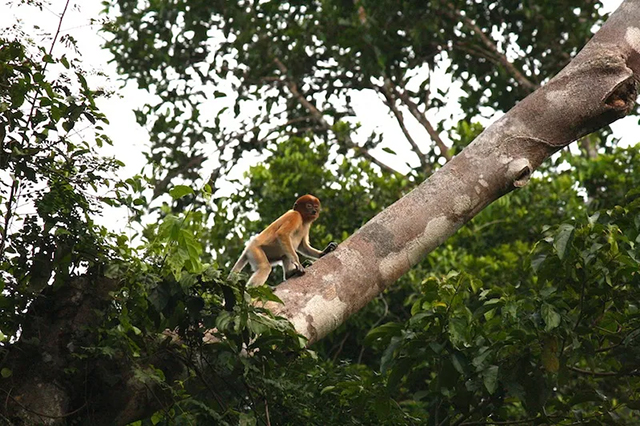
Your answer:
<point x="280" y="241"/>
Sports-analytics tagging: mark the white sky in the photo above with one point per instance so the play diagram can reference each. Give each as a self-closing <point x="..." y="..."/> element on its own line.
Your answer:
<point x="129" y="139"/>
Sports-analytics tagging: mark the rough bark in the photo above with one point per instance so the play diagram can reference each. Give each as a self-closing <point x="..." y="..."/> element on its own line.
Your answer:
<point x="596" y="88"/>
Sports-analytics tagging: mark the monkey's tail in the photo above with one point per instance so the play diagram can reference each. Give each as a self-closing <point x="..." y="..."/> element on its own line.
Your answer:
<point x="241" y="263"/>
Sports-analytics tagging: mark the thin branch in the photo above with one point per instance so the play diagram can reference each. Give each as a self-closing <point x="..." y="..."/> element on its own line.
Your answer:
<point x="319" y="118"/>
<point x="293" y="88"/>
<point x="604" y="373"/>
<point x="422" y="119"/>
<point x="161" y="186"/>
<point x="266" y="411"/>
<point x="507" y="422"/>
<point x="193" y="366"/>
<point x="253" y="402"/>
<point x="622" y="341"/>
<point x="340" y="346"/>
<point x="15" y="185"/>
<point x="8" y="214"/>
<point x="386" y="312"/>
<point x="391" y="103"/>
<point x="44" y="68"/>
<point x="589" y="145"/>
<point x="517" y="75"/>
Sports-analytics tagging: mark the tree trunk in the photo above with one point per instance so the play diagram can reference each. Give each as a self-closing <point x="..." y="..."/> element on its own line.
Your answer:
<point x="596" y="88"/>
<point x="50" y="383"/>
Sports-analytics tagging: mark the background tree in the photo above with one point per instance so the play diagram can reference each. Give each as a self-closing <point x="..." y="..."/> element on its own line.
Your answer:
<point x="303" y="62"/>
<point x="526" y="315"/>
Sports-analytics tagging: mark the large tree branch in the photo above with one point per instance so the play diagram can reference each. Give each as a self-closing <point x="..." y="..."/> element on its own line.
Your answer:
<point x="598" y="87"/>
<point x="319" y="118"/>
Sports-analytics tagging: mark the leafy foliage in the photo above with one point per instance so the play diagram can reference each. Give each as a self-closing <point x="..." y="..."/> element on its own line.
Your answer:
<point x="50" y="190"/>
<point x="553" y="346"/>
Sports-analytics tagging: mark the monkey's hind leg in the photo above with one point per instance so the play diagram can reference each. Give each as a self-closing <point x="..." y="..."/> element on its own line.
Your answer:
<point x="260" y="264"/>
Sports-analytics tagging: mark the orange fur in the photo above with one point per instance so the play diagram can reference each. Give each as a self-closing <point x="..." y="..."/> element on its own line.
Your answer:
<point x="280" y="241"/>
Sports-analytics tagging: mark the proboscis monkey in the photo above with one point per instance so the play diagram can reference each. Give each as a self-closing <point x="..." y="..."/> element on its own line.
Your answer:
<point x="280" y="241"/>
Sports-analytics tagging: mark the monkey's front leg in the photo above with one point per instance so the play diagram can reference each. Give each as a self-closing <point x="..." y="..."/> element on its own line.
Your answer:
<point x="290" y="260"/>
<point x="292" y="269"/>
<point x="329" y="248"/>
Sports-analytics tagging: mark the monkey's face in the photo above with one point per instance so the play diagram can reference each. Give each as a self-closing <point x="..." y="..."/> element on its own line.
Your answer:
<point x="308" y="206"/>
<point x="312" y="210"/>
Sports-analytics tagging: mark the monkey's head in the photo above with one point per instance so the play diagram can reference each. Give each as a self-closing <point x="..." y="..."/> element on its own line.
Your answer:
<point x="308" y="206"/>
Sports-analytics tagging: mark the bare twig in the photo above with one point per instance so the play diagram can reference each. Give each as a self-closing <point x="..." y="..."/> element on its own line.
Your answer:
<point x="44" y="67"/>
<point x="422" y="119"/>
<point x="340" y="346"/>
<point x="391" y="103"/>
<point x="266" y="411"/>
<point x="604" y="373"/>
<point x="386" y="312"/>
<point x="8" y="214"/>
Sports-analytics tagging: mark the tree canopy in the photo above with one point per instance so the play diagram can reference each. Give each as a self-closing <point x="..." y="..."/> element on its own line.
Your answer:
<point x="527" y="315"/>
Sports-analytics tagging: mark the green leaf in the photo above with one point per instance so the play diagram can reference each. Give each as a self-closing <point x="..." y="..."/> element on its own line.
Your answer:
<point x="562" y="239"/>
<point x="388" y="355"/>
<point x="389" y="150"/>
<point x="490" y="378"/>
<point x="550" y="316"/>
<point x="327" y="389"/>
<point x="180" y="191"/>
<point x="479" y="360"/>
<point x="459" y="362"/>
<point x="6" y="372"/>
<point x="385" y="331"/>
<point x="402" y="367"/>
<point x="458" y="329"/>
